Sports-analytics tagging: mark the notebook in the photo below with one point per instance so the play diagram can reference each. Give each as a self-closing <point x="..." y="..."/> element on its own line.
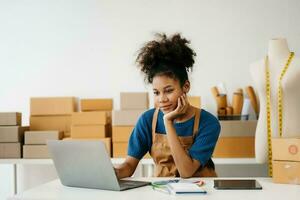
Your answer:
<point x="185" y="188"/>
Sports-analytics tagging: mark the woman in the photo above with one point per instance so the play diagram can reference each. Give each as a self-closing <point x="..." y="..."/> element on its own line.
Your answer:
<point x="179" y="137"/>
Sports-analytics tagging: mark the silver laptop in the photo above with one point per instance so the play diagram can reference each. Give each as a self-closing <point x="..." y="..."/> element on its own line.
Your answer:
<point x="86" y="164"/>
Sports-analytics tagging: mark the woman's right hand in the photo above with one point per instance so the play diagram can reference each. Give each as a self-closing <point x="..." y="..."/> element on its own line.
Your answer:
<point x="117" y="172"/>
<point x="127" y="168"/>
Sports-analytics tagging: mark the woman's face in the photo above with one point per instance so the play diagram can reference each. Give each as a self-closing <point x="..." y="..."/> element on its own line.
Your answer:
<point x="166" y="92"/>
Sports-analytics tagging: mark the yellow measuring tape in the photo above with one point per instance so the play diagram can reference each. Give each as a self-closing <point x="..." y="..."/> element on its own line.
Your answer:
<point x="280" y="108"/>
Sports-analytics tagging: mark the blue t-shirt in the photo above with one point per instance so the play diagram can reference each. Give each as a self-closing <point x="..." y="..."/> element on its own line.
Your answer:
<point x="140" y="141"/>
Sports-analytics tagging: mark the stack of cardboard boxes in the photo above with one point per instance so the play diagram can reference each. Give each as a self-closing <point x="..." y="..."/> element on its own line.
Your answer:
<point x="35" y="143"/>
<point x="11" y="135"/>
<point x="286" y="160"/>
<point x="50" y="118"/>
<point x="94" y="121"/>
<point x="132" y="105"/>
<point x="237" y="139"/>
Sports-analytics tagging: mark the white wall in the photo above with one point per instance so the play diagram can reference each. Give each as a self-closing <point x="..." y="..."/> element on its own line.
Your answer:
<point x="87" y="48"/>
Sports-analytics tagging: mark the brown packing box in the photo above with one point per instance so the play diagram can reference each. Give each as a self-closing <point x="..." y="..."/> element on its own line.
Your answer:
<point x="35" y="151"/>
<point x="231" y="128"/>
<point x="10" y="150"/>
<point x="126" y="117"/>
<point x="96" y="104"/>
<point x="287" y="149"/>
<point x="235" y="147"/>
<point x="10" y="119"/>
<point x="52" y="106"/>
<point x="195" y="101"/>
<point x="134" y="101"/>
<point x="91" y="131"/>
<point x="107" y="142"/>
<point x="286" y="172"/>
<point x="120" y="150"/>
<point x="40" y="137"/>
<point x="67" y="134"/>
<point x="121" y="133"/>
<point x="12" y="133"/>
<point x="286" y="160"/>
<point x="51" y="123"/>
<point x="91" y="118"/>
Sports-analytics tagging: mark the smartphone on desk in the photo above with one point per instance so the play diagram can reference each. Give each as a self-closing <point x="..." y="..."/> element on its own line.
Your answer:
<point x="237" y="184"/>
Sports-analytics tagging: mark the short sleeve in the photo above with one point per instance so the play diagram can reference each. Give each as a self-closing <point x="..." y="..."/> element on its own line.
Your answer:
<point x="140" y="140"/>
<point x="206" y="139"/>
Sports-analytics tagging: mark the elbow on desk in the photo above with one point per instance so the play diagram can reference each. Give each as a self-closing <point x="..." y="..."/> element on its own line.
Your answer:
<point x="188" y="173"/>
<point x="185" y="174"/>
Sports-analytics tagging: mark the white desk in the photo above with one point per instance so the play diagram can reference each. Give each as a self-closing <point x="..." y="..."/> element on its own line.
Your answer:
<point x="28" y="173"/>
<point x="55" y="190"/>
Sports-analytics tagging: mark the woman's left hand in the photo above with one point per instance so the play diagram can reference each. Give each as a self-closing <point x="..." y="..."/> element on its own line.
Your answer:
<point x="182" y="106"/>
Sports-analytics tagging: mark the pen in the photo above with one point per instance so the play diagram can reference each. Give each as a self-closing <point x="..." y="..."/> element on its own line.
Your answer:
<point x="199" y="183"/>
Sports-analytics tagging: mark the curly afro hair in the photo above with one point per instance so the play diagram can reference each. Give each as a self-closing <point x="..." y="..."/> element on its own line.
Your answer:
<point x="170" y="56"/>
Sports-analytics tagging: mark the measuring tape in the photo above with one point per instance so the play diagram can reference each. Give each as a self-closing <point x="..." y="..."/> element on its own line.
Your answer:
<point x="280" y="107"/>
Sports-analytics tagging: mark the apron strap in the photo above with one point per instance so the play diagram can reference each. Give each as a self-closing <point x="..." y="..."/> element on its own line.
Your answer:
<point x="154" y="122"/>
<point x="196" y="122"/>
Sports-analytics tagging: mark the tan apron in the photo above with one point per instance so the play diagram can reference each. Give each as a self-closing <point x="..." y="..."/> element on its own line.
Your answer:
<point x="161" y="152"/>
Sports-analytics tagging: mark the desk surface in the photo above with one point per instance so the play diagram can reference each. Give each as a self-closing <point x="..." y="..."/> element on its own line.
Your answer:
<point x="55" y="190"/>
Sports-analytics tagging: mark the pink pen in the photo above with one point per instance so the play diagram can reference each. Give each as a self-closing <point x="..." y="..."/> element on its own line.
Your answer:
<point x="199" y="183"/>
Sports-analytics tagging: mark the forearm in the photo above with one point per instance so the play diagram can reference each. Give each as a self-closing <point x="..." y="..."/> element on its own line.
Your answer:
<point x="184" y="163"/>
<point x="127" y="168"/>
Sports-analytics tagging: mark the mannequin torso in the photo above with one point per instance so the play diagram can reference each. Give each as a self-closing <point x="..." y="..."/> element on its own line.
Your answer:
<point x="278" y="54"/>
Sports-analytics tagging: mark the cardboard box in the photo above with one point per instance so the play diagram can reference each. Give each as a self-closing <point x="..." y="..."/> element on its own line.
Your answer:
<point x="96" y="104"/>
<point x="12" y="133"/>
<point x="134" y="101"/>
<point x="51" y="123"/>
<point x="91" y="118"/>
<point x="40" y="137"/>
<point x="287" y="149"/>
<point x="126" y="117"/>
<point x="10" y="150"/>
<point x="107" y="142"/>
<point x="120" y="150"/>
<point x="91" y="131"/>
<point x="121" y="133"/>
<point x="67" y="134"/>
<point x="235" y="147"/>
<point x="230" y="128"/>
<point x="35" y="151"/>
<point x="195" y="101"/>
<point x="286" y="172"/>
<point x="52" y="106"/>
<point x="10" y="119"/>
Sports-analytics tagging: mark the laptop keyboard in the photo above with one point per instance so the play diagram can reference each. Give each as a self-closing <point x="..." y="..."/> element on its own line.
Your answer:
<point x="127" y="183"/>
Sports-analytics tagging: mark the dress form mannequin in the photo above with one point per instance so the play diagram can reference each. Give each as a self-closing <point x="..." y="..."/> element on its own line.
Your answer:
<point x="278" y="53"/>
